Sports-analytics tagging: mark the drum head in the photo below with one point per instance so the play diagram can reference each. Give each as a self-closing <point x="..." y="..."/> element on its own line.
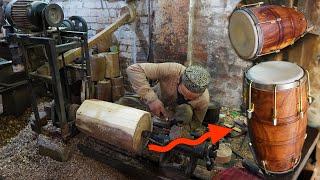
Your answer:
<point x="275" y="73"/>
<point x="243" y="34"/>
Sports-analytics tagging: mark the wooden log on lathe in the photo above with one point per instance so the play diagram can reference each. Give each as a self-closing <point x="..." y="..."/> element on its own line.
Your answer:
<point x="98" y="68"/>
<point x="224" y="154"/>
<point x="104" y="90"/>
<point x="117" y="88"/>
<point x="115" y="124"/>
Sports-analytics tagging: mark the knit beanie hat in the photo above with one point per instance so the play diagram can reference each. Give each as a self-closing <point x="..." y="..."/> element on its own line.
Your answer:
<point x="196" y="78"/>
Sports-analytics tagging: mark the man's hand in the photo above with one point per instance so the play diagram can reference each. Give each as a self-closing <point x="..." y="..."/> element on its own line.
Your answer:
<point x="157" y="108"/>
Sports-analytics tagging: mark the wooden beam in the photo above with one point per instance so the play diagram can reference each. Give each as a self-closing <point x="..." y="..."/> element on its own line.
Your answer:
<point x="103" y="40"/>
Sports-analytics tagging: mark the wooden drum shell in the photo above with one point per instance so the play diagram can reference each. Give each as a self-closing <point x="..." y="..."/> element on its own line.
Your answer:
<point x="278" y="148"/>
<point x="279" y="34"/>
<point x="265" y="29"/>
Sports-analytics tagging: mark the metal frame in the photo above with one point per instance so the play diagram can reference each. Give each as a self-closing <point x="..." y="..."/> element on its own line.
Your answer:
<point x="61" y="96"/>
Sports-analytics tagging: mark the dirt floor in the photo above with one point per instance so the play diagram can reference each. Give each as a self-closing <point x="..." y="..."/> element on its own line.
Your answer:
<point x="20" y="159"/>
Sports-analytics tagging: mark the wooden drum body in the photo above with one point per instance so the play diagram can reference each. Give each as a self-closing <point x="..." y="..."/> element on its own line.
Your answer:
<point x="262" y="30"/>
<point x="278" y="101"/>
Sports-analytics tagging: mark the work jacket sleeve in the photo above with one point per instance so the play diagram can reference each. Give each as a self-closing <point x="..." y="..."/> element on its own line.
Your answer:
<point x="139" y="75"/>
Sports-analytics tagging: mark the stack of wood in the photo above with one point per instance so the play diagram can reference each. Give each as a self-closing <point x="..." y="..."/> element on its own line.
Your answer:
<point x="105" y="74"/>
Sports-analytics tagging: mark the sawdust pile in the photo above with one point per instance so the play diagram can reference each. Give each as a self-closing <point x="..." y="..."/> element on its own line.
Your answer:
<point x="10" y="126"/>
<point x="20" y="159"/>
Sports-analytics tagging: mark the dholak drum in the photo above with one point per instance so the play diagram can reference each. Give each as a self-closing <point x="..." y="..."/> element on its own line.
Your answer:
<point x="256" y="31"/>
<point x="277" y="121"/>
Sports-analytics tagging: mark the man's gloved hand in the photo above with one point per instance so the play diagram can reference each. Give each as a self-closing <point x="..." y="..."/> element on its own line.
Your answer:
<point x="157" y="108"/>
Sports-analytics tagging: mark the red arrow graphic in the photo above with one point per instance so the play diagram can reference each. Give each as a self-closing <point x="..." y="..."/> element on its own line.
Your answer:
<point x="215" y="133"/>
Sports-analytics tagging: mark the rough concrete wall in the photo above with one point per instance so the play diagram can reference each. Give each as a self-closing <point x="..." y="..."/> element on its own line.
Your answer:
<point x="211" y="46"/>
<point x="170" y="35"/>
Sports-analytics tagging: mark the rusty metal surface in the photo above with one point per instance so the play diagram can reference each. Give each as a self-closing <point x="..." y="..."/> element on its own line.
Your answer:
<point x="134" y="167"/>
<point x="171" y="31"/>
<point x="19" y="13"/>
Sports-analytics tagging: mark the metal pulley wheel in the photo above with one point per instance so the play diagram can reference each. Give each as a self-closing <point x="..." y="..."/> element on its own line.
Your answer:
<point x="68" y="24"/>
<point x="79" y="23"/>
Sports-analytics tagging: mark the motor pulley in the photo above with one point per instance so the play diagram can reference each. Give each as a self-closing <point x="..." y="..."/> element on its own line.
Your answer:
<point x="33" y="15"/>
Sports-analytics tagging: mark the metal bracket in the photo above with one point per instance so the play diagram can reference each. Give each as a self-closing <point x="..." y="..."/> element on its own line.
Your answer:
<point x="251" y="105"/>
<point x="271" y="21"/>
<point x="258" y="4"/>
<point x="310" y="98"/>
<point x="275" y="121"/>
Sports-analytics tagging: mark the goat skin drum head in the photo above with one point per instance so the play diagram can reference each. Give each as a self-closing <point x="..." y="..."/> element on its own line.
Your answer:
<point x="275" y="72"/>
<point x="243" y="34"/>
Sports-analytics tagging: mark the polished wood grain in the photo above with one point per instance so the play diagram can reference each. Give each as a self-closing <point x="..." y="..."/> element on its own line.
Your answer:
<point x="279" y="34"/>
<point x="278" y="146"/>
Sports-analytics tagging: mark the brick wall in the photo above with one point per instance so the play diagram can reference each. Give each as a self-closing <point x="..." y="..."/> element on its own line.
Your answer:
<point x="211" y="45"/>
<point x="133" y="38"/>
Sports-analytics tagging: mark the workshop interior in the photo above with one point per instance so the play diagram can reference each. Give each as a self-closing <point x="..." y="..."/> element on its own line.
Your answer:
<point x="79" y="81"/>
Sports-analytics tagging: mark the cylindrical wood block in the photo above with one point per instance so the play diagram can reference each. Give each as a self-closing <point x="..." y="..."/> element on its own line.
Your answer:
<point x="115" y="124"/>
<point x="224" y="154"/>
<point x="104" y="91"/>
<point x="117" y="88"/>
<point x="112" y="65"/>
<point x="98" y="67"/>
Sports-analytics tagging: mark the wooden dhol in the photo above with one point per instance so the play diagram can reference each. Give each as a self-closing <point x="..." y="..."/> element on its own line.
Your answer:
<point x="277" y="137"/>
<point x="255" y="31"/>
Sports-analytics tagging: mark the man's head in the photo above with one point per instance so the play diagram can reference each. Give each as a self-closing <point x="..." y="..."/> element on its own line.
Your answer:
<point x="194" y="81"/>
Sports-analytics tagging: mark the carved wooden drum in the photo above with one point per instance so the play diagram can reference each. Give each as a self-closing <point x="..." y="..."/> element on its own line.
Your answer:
<point x="256" y="31"/>
<point x="277" y="120"/>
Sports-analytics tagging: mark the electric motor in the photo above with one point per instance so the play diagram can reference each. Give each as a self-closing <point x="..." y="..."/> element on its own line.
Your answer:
<point x="33" y="15"/>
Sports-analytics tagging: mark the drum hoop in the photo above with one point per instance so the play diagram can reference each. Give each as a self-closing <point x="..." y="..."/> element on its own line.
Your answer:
<point x="282" y="172"/>
<point x="292" y="119"/>
<point x="291" y="141"/>
<point x="280" y="87"/>
<point x="259" y="31"/>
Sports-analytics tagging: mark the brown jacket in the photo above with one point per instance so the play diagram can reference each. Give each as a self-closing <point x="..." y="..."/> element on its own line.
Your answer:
<point x="168" y="76"/>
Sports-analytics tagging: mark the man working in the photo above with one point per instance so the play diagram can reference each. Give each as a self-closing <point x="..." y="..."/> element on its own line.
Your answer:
<point x="180" y="93"/>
